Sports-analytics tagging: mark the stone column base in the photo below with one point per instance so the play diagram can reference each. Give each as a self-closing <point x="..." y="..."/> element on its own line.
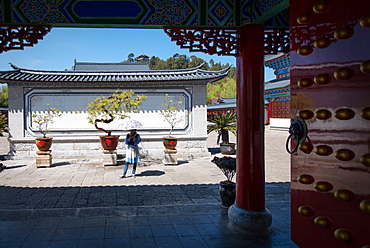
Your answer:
<point x="109" y="157"/>
<point x="254" y="223"/>
<point x="43" y="159"/>
<point x="170" y="157"/>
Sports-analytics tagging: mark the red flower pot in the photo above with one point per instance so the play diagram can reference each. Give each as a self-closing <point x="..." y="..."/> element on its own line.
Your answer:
<point x="109" y="142"/>
<point x="170" y="143"/>
<point x="44" y="144"/>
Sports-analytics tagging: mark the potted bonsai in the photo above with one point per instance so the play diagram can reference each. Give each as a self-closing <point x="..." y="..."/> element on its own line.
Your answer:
<point x="227" y="188"/>
<point x="223" y="122"/>
<point x="170" y="111"/>
<point x="106" y="109"/>
<point x="42" y="121"/>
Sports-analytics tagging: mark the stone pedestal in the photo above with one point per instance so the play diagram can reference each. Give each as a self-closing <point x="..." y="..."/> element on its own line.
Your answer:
<point x="43" y="159"/>
<point x="254" y="223"/>
<point x="109" y="157"/>
<point x="170" y="157"/>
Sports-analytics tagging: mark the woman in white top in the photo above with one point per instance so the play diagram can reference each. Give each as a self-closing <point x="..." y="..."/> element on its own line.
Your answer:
<point x="132" y="151"/>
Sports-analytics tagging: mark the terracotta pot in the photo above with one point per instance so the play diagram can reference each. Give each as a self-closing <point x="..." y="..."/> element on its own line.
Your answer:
<point x="44" y="144"/>
<point x="227" y="193"/>
<point x="170" y="143"/>
<point x="109" y="142"/>
<point x="227" y="149"/>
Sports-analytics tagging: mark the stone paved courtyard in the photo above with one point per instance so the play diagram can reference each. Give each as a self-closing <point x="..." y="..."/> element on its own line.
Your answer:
<point x="80" y="203"/>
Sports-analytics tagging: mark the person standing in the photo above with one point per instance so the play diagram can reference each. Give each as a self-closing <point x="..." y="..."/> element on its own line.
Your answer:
<point x="132" y="152"/>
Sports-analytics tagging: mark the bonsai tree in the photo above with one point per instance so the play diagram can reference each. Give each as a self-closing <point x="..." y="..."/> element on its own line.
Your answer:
<point x="117" y="105"/>
<point x="228" y="166"/>
<point x="45" y="118"/>
<point x="222" y="122"/>
<point x="170" y="111"/>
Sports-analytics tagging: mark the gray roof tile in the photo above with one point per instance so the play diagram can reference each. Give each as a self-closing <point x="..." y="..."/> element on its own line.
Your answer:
<point x="151" y="76"/>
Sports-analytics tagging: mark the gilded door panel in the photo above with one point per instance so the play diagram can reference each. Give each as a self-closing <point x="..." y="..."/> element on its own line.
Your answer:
<point x="330" y="79"/>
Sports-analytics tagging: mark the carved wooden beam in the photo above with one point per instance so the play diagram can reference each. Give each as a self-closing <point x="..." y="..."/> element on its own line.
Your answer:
<point x="224" y="41"/>
<point x="17" y="37"/>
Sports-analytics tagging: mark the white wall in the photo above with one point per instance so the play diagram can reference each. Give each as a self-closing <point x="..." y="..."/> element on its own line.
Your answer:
<point x="280" y="123"/>
<point x="73" y="135"/>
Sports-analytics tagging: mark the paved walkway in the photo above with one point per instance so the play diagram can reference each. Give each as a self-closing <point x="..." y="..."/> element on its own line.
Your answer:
<point x="80" y="203"/>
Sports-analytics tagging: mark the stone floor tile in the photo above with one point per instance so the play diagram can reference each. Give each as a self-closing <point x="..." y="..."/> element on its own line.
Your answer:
<point x="200" y="219"/>
<point x="225" y="230"/>
<point x="27" y="224"/>
<point x="117" y="243"/>
<point x="70" y="243"/>
<point x="180" y="220"/>
<point x="40" y="234"/>
<point x="117" y="221"/>
<point x="67" y="233"/>
<point x="163" y="230"/>
<point x="15" y="235"/>
<point x="36" y="244"/>
<point x="94" y="222"/>
<point x="219" y="241"/>
<point x="71" y="223"/>
<point x="10" y="244"/>
<point x="208" y="229"/>
<point x="158" y="220"/>
<point x="140" y="242"/>
<point x="193" y="241"/>
<point x="48" y="224"/>
<point x="138" y="221"/>
<point x="168" y="242"/>
<point x="6" y="225"/>
<point x="92" y="233"/>
<point x="219" y="218"/>
<point x="140" y="231"/>
<point x="186" y="230"/>
<point x="117" y="232"/>
<point x="91" y="243"/>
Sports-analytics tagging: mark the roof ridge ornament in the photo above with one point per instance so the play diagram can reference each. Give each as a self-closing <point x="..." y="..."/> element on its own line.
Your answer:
<point x="14" y="66"/>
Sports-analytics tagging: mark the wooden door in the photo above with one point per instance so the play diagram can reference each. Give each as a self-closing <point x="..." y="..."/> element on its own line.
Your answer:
<point x="330" y="90"/>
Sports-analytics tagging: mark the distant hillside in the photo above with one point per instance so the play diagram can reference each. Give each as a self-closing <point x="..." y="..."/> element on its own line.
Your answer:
<point x="225" y="87"/>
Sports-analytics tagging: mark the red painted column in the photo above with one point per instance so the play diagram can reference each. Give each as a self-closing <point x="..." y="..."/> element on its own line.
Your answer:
<point x="250" y="179"/>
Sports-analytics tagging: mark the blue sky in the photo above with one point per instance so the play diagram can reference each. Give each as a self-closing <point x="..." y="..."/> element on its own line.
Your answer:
<point x="61" y="46"/>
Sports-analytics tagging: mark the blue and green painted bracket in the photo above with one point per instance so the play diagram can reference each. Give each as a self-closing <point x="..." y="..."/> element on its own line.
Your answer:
<point x="273" y="14"/>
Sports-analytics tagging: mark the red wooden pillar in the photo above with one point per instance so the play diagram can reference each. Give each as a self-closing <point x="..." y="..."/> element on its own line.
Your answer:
<point x="269" y="112"/>
<point x="249" y="211"/>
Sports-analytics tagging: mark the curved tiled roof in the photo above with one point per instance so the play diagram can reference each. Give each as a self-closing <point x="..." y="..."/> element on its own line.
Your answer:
<point x="190" y="75"/>
<point x="122" y="66"/>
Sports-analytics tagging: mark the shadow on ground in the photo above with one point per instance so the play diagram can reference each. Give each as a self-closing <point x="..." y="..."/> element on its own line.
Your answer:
<point x="214" y="150"/>
<point x="150" y="173"/>
<point x="30" y="199"/>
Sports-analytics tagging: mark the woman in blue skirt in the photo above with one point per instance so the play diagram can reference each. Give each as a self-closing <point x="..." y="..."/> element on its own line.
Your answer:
<point x="132" y="151"/>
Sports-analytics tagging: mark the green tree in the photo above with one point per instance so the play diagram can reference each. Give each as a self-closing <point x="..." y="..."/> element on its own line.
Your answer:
<point x="156" y="63"/>
<point x="45" y="118"/>
<point x="195" y="61"/>
<point x="117" y="105"/>
<point x="170" y="111"/>
<point x="4" y="96"/>
<point x="222" y="122"/>
<point x="130" y="58"/>
<point x="216" y="67"/>
<point x="3" y="123"/>
<point x="225" y="87"/>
